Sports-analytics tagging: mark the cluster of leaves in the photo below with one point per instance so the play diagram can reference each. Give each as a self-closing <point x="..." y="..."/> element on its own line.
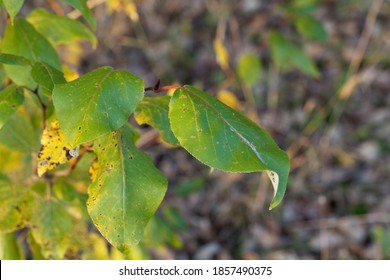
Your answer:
<point x="54" y="131"/>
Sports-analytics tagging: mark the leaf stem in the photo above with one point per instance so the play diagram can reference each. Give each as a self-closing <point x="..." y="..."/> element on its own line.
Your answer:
<point x="43" y="105"/>
<point x="157" y="89"/>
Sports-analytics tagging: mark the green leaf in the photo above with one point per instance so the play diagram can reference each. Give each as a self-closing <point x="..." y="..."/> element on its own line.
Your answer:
<point x="46" y="76"/>
<point x="96" y="103"/>
<point x="311" y="28"/>
<point x="286" y="55"/>
<point x="13" y="7"/>
<point x="11" y="59"/>
<point x="22" y="39"/>
<point x="224" y="139"/>
<point x="249" y="68"/>
<point x="127" y="191"/>
<point x="50" y="226"/>
<point x="59" y="29"/>
<point x="81" y="5"/>
<point x="9" y="247"/>
<point x="34" y="247"/>
<point x="18" y="134"/>
<point x="154" y="112"/>
<point x="10" y="99"/>
<point x="16" y="207"/>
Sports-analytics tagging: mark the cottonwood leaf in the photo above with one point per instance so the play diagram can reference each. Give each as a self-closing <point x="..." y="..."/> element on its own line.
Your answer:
<point x="82" y="6"/>
<point x="154" y="112"/>
<point x="10" y="99"/>
<point x="96" y="103"/>
<point x="50" y="227"/>
<point x="11" y="59"/>
<point x="23" y="40"/>
<point x="249" y="68"/>
<point x="10" y="249"/>
<point x="225" y="139"/>
<point x="18" y="134"/>
<point x="126" y="192"/>
<point x="286" y="55"/>
<point x="59" y="29"/>
<point x="17" y="204"/>
<point x="221" y="54"/>
<point x="13" y="7"/>
<point x="46" y="76"/>
<point x="311" y="28"/>
<point x="54" y="149"/>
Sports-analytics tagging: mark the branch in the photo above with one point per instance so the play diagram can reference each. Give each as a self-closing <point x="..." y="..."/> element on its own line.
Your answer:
<point x="43" y="105"/>
<point x="156" y="87"/>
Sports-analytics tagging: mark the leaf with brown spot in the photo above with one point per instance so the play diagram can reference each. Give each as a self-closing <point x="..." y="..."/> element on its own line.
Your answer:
<point x="54" y="150"/>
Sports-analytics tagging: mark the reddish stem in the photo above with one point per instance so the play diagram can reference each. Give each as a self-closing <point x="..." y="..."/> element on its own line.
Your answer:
<point x="157" y="89"/>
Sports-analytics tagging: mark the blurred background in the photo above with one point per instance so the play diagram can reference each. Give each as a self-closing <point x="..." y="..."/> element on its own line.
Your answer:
<point x="315" y="74"/>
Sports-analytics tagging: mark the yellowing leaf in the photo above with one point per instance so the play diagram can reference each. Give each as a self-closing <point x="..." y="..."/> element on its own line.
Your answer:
<point x="93" y="170"/>
<point x="221" y="53"/>
<point x="54" y="150"/>
<point x="131" y="10"/>
<point x="229" y="99"/>
<point x="69" y="74"/>
<point x="128" y="6"/>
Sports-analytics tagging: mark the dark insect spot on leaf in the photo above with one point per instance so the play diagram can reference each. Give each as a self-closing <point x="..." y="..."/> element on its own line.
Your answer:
<point x="105" y="113"/>
<point x="79" y="127"/>
<point x="17" y="208"/>
<point x="68" y="155"/>
<point x="13" y="106"/>
<point x="185" y="109"/>
<point x="103" y="149"/>
<point x="116" y="145"/>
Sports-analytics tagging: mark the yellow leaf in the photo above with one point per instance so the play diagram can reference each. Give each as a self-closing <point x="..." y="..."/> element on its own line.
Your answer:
<point x="93" y="170"/>
<point x="54" y="150"/>
<point x="221" y="53"/>
<point x="229" y="99"/>
<point x="131" y="10"/>
<point x="69" y="74"/>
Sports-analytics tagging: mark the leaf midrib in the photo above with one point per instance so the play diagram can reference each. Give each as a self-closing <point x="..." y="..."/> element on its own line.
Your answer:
<point x="232" y="128"/>
<point x="120" y="143"/>
<point x="92" y="99"/>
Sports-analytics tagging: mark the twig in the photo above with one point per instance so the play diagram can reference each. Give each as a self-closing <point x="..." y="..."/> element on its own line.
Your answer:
<point x="365" y="37"/>
<point x="156" y="87"/>
<point x="66" y="172"/>
<point x="43" y="105"/>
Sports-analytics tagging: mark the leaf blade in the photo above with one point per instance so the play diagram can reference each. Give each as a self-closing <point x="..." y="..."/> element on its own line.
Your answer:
<point x="11" y="59"/>
<point x="97" y="103"/>
<point x="10" y="99"/>
<point x="13" y="7"/>
<point x="225" y="139"/>
<point x="46" y="76"/>
<point x="81" y="5"/>
<point x="128" y="177"/>
<point x="59" y="29"/>
<point x="154" y="112"/>
<point x="21" y="39"/>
